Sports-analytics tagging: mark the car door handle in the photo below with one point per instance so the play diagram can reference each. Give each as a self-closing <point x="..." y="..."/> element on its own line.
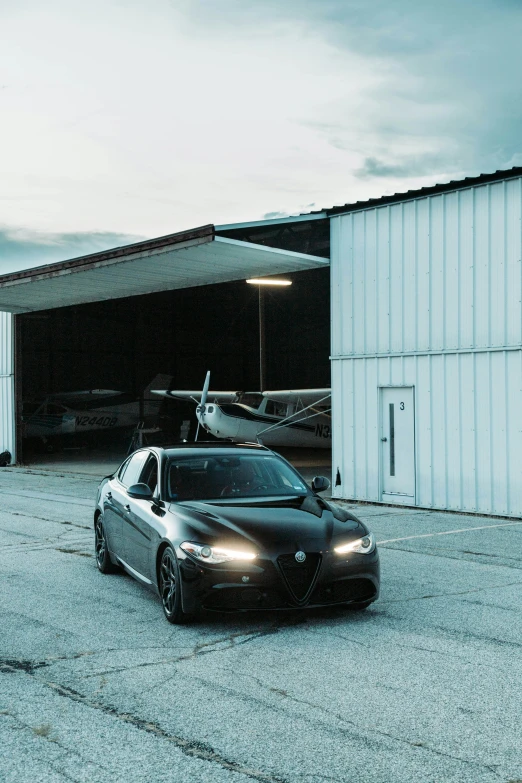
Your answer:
<point x="127" y="508"/>
<point x="384" y="440"/>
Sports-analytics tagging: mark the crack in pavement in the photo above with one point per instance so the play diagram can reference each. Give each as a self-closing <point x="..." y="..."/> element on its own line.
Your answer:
<point x="190" y="748"/>
<point x="502" y="607"/>
<point x="29" y="667"/>
<point x="46" y="519"/>
<point x="315" y="777"/>
<point x="12" y="532"/>
<point x="74" y="500"/>
<point x="231" y="641"/>
<point x="73" y="552"/>
<point x="452" y="557"/>
<point x="463" y="635"/>
<point x="49" y="737"/>
<point x="372" y="729"/>
<point x="444" y="595"/>
<point x="443" y="653"/>
<point x="468" y="635"/>
<point x="50" y="543"/>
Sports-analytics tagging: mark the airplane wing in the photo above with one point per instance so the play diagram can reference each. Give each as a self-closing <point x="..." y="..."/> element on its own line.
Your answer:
<point x="304" y="396"/>
<point x="82" y="395"/>
<point x="213" y="396"/>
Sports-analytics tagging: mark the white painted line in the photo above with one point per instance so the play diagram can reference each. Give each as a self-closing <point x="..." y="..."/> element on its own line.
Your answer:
<point x="448" y="532"/>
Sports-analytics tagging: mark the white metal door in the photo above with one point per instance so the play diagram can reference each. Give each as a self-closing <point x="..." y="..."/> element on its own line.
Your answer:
<point x="398" y="444"/>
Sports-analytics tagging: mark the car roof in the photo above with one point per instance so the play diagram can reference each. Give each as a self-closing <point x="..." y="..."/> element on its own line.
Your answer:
<point x="214" y="448"/>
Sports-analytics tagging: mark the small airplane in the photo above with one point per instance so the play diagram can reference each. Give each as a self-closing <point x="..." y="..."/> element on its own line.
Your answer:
<point x="69" y="413"/>
<point x="289" y="417"/>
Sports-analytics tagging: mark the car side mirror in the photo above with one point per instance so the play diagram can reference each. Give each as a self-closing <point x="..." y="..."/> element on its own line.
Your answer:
<point x="140" y="492"/>
<point x="320" y="484"/>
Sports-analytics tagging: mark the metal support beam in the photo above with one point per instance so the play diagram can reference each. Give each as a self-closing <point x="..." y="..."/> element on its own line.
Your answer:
<point x="262" y="346"/>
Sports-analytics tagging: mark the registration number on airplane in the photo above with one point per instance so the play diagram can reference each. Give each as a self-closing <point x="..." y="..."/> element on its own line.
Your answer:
<point x="95" y="421"/>
<point x="323" y="430"/>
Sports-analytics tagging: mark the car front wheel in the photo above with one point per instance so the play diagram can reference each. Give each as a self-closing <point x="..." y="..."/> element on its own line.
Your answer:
<point x="170" y="587"/>
<point x="103" y="559"/>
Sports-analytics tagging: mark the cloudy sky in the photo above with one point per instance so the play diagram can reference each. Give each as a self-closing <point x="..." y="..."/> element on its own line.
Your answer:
<point x="122" y="119"/>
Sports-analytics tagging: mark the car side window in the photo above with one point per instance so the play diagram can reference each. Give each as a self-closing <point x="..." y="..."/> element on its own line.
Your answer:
<point x="133" y="469"/>
<point x="122" y="469"/>
<point x="149" y="474"/>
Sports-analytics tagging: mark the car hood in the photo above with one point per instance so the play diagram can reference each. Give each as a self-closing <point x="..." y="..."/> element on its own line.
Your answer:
<point x="299" y="523"/>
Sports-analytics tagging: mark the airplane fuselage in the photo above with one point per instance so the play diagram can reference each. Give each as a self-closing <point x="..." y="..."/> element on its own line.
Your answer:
<point x="53" y="419"/>
<point x="242" y="423"/>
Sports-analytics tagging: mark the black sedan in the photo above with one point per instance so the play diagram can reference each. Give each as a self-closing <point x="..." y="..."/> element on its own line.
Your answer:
<point x="231" y="527"/>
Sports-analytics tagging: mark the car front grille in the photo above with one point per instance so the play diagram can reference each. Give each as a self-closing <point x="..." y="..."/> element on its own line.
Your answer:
<point x="299" y="577"/>
<point x="238" y="598"/>
<point x="345" y="590"/>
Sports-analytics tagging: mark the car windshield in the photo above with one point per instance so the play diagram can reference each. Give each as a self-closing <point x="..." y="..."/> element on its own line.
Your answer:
<point x="208" y="477"/>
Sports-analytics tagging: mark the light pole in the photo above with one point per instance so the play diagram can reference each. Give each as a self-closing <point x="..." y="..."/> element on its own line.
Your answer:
<point x="261" y="282"/>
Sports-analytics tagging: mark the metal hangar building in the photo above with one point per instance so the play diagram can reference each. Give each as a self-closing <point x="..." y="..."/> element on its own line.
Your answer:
<point x="427" y="346"/>
<point x="420" y="310"/>
<point x="174" y="306"/>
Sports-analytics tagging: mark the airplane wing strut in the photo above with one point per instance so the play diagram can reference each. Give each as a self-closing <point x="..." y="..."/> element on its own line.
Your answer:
<point x="288" y="420"/>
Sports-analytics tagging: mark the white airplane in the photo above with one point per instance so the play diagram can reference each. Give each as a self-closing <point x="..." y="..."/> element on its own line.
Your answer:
<point x="69" y="413"/>
<point x="290" y="417"/>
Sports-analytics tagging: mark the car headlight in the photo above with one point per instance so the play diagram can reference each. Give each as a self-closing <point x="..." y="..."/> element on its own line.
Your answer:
<point x="362" y="546"/>
<point x="215" y="554"/>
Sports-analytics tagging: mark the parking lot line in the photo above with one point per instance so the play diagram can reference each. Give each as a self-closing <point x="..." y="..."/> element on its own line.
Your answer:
<point x="448" y="532"/>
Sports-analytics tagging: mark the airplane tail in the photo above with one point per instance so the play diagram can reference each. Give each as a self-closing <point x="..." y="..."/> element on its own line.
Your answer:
<point x="160" y="381"/>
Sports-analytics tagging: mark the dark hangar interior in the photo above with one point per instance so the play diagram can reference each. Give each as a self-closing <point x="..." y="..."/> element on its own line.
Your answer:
<point x="122" y="344"/>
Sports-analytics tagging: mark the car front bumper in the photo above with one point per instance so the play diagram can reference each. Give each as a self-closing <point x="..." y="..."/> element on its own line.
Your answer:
<point x="264" y="585"/>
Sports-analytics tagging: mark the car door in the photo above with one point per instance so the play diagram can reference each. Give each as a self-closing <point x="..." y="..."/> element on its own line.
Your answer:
<point x="113" y="502"/>
<point x="116" y="507"/>
<point x="137" y="529"/>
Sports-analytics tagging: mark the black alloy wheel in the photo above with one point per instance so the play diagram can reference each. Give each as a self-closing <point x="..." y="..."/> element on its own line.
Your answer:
<point x="103" y="559"/>
<point x="170" y="587"/>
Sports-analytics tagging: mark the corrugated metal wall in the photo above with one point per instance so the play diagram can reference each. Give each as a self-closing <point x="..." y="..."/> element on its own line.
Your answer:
<point x="7" y="404"/>
<point x="443" y="272"/>
<point x="468" y="435"/>
<point x="428" y="294"/>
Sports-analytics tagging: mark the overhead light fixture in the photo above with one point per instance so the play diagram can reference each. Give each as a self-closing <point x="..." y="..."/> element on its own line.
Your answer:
<point x="268" y="281"/>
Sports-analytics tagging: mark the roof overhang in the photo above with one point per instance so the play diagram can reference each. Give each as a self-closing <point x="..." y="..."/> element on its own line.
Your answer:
<point x="184" y="260"/>
<point x="273" y="221"/>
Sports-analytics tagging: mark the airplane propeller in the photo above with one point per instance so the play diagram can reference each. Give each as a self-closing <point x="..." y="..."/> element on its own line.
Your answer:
<point x="201" y="407"/>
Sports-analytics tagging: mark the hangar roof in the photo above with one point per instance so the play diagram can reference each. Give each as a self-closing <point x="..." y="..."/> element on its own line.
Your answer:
<point x="183" y="260"/>
<point x="429" y="190"/>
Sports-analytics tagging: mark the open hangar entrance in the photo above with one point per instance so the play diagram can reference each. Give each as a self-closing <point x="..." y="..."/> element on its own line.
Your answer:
<point x="179" y="330"/>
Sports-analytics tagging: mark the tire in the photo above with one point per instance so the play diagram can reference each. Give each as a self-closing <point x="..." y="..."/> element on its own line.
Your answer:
<point x="101" y="551"/>
<point x="169" y="583"/>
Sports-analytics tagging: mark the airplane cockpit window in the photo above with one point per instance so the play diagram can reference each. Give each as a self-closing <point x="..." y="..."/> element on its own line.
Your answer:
<point x="30" y="408"/>
<point x="274" y="408"/>
<point x="252" y="399"/>
<point x="56" y="410"/>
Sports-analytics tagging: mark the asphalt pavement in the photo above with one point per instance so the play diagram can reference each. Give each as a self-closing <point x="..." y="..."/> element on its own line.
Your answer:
<point x="96" y="686"/>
